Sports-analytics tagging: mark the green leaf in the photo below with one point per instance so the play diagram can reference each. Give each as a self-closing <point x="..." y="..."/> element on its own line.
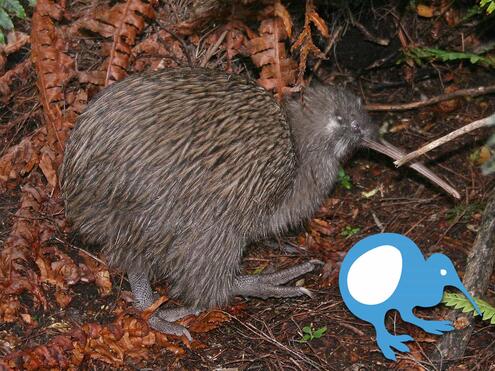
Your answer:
<point x="349" y="231"/>
<point x="344" y="179"/>
<point x="5" y="21"/>
<point x="319" y="333"/>
<point x="474" y="59"/>
<point x="489" y="5"/>
<point x="370" y="193"/>
<point x="431" y="54"/>
<point x="2" y="38"/>
<point x="258" y="270"/>
<point x="14" y="6"/>
<point x="459" y="301"/>
<point x="32" y="3"/>
<point x="307" y="330"/>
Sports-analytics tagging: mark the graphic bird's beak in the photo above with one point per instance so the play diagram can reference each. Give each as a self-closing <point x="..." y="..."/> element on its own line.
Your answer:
<point x="395" y="153"/>
<point x="458" y="285"/>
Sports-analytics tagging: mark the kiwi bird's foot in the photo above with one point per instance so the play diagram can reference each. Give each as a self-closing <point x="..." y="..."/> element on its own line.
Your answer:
<point x="174" y="314"/>
<point x="387" y="341"/>
<point x="167" y="327"/>
<point x="268" y="285"/>
<point x="161" y="320"/>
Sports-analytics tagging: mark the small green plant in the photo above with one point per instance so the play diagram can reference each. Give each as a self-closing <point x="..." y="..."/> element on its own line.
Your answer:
<point x="466" y="211"/>
<point x="344" y="179"/>
<point x="459" y="301"/>
<point x="309" y="333"/>
<point x="488" y="5"/>
<point x="8" y="8"/>
<point x="419" y="55"/>
<point x="349" y="231"/>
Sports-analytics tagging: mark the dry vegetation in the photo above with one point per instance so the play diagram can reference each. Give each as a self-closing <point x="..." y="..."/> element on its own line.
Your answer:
<point x="60" y="307"/>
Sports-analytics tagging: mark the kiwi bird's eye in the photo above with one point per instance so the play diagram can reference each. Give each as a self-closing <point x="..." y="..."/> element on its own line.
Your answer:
<point x="339" y="119"/>
<point x="355" y="126"/>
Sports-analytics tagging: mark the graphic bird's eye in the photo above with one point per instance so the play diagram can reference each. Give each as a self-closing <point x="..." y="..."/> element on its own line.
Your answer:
<point x="443" y="272"/>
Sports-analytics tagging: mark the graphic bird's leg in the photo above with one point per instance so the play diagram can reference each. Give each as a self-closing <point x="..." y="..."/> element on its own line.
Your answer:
<point x="268" y="285"/>
<point x="161" y="320"/>
<point x="433" y="327"/>
<point x="386" y="341"/>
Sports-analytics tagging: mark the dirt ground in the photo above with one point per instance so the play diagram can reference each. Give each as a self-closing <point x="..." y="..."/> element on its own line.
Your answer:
<point x="78" y="326"/>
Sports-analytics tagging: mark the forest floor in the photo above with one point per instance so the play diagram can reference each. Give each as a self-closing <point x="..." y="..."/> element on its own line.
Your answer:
<point x="63" y="308"/>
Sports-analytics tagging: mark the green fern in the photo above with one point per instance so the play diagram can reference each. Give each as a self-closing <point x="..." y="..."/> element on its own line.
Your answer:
<point x="10" y="8"/>
<point x="418" y="55"/>
<point x="489" y="5"/>
<point x="459" y="301"/>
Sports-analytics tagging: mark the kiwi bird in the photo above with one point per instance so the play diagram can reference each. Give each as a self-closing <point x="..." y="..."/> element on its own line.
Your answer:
<point x="174" y="172"/>
<point x="388" y="271"/>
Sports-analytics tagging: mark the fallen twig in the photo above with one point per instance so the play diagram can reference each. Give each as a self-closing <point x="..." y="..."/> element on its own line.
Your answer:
<point x="485" y="122"/>
<point x="368" y="35"/>
<point x="268" y="336"/>
<point x="213" y="49"/>
<point x="471" y="92"/>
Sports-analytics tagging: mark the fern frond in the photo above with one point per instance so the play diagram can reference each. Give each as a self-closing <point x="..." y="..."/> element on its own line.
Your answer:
<point x="459" y="301"/>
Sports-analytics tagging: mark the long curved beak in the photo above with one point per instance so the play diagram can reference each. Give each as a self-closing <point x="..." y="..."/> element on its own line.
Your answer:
<point x="395" y="153"/>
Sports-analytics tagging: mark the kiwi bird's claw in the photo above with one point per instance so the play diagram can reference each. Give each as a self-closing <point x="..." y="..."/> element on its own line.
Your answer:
<point x="317" y="262"/>
<point x="269" y="285"/>
<point x="169" y="327"/>
<point x="174" y="314"/>
<point x="305" y="291"/>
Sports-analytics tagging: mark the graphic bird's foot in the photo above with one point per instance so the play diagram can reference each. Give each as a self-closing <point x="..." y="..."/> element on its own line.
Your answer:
<point x="432" y="327"/>
<point x="268" y="285"/>
<point x="435" y="327"/>
<point x="388" y="341"/>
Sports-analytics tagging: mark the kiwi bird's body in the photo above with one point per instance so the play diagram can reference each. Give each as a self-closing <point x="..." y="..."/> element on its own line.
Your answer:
<point x="174" y="172"/>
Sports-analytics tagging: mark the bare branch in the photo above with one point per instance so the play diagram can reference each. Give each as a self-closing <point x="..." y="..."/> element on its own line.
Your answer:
<point x="472" y="92"/>
<point x="487" y="121"/>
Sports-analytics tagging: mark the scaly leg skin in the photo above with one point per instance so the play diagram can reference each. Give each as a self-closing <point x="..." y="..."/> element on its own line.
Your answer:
<point x="433" y="327"/>
<point x="268" y="285"/>
<point x="161" y="320"/>
<point x="386" y="341"/>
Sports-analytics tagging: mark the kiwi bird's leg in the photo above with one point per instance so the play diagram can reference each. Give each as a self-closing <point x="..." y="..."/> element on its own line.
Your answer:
<point x="268" y="285"/>
<point x="161" y="320"/>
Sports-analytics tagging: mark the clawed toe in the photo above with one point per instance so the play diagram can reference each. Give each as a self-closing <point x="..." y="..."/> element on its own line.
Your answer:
<point x="269" y="285"/>
<point x="265" y="291"/>
<point x="174" y="314"/>
<point x="317" y="262"/>
<point x="285" y="275"/>
<point x="169" y="327"/>
<point x="305" y="291"/>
